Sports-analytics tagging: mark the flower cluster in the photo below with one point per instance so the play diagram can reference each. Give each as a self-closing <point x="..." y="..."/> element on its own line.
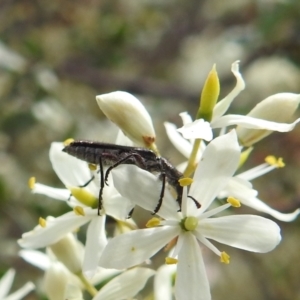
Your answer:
<point x="206" y="186"/>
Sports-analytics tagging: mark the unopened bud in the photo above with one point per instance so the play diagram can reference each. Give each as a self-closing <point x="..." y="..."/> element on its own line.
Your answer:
<point x="276" y="108"/>
<point x="68" y="252"/>
<point x="127" y="112"/>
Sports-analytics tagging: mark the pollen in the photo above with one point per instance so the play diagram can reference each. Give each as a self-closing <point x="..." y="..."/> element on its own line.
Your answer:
<point x="234" y="202"/>
<point x="78" y="210"/>
<point x="154" y="222"/>
<point x="92" y="167"/>
<point x="225" y="258"/>
<point x="67" y="142"/>
<point x="271" y="160"/>
<point x="31" y="182"/>
<point x="42" y="222"/>
<point x="185" y="181"/>
<point x="190" y="223"/>
<point x="171" y="261"/>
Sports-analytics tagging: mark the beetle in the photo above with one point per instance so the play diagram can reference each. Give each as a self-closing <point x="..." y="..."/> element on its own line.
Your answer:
<point x="112" y="155"/>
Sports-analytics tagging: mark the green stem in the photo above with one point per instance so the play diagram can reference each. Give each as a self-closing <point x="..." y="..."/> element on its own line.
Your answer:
<point x="192" y="160"/>
<point x="88" y="286"/>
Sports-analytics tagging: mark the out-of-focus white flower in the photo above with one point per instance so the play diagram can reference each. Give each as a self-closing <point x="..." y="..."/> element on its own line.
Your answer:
<point x="130" y="115"/>
<point x="11" y="60"/>
<point x="126" y="285"/>
<point x="269" y="115"/>
<point x="5" y="285"/>
<point x="191" y="226"/>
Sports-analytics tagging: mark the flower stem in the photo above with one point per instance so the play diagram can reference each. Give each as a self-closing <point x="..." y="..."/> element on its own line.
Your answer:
<point x="88" y="286"/>
<point x="192" y="159"/>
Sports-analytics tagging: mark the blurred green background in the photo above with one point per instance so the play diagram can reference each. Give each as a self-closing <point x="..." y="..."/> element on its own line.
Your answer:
<point x="56" y="56"/>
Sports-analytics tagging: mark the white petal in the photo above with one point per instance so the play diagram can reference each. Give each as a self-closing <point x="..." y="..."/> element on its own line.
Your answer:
<point x="199" y="129"/>
<point x="55" y="193"/>
<point x="135" y="247"/>
<point x="70" y="170"/>
<point x="222" y="106"/>
<point x="56" y="228"/>
<point x="186" y="118"/>
<point x="20" y="293"/>
<point x="36" y="258"/>
<point x="191" y="280"/>
<point x="219" y="162"/>
<point x="181" y="144"/>
<point x="249" y="122"/>
<point x="248" y="232"/>
<point x="118" y="207"/>
<point x="163" y="282"/>
<point x="261" y="206"/>
<point x="6" y="282"/>
<point x="143" y="189"/>
<point x="126" y="285"/>
<point x="238" y="188"/>
<point x="95" y="243"/>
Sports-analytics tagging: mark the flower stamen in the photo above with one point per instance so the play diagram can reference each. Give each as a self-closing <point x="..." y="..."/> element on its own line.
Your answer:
<point x="234" y="202"/>
<point x="271" y="160"/>
<point x="154" y="222"/>
<point x="31" y="182"/>
<point x="42" y="222"/>
<point x="225" y="258"/>
<point x="171" y="261"/>
<point x="68" y="141"/>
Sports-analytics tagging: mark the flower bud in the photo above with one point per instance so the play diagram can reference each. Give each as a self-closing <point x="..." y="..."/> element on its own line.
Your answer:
<point x="56" y="281"/>
<point x="68" y="252"/>
<point x="276" y="108"/>
<point x="127" y="112"/>
<point x="209" y="96"/>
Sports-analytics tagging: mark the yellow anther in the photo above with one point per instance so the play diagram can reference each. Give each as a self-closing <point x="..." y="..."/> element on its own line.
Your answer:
<point x="190" y="223"/>
<point x="244" y="156"/>
<point x="78" y="210"/>
<point x="225" y="258"/>
<point x="92" y="167"/>
<point x="31" y="182"/>
<point x="271" y="160"/>
<point x="68" y="141"/>
<point x="234" y="202"/>
<point x="84" y="196"/>
<point x="185" y="181"/>
<point x="154" y="222"/>
<point x="171" y="261"/>
<point x="42" y="222"/>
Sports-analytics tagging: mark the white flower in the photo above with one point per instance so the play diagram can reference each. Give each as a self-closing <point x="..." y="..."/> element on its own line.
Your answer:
<point x="269" y="115"/>
<point x="5" y="285"/>
<point x="130" y="115"/>
<point x="238" y="186"/>
<point x="73" y="173"/>
<point x="191" y="226"/>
